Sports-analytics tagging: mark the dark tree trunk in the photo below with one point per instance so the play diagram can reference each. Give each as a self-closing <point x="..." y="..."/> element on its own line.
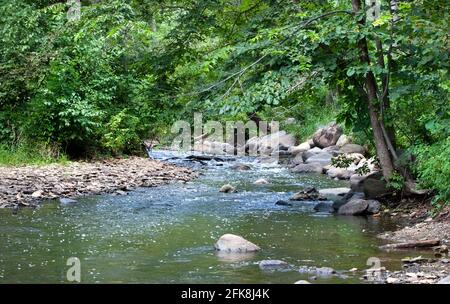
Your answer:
<point x="385" y="101"/>
<point x="372" y="100"/>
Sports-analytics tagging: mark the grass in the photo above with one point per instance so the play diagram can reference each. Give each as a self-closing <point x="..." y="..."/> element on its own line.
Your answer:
<point x="27" y="155"/>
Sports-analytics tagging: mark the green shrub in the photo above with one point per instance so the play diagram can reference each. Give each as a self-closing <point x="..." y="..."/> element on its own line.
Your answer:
<point x="433" y="169"/>
<point x="121" y="133"/>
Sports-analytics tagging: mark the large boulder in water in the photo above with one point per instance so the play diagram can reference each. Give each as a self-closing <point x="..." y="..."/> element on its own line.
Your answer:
<point x="300" y="148"/>
<point x="297" y="160"/>
<point x="269" y="143"/>
<point x="308" y="194"/>
<point x="308" y="168"/>
<point x="227" y="189"/>
<point x="235" y="244"/>
<point x="311" y="152"/>
<point x="327" y="136"/>
<point x="332" y="192"/>
<point x="356" y="182"/>
<point x="354" y="207"/>
<point x="323" y="158"/>
<point x="326" y="206"/>
<point x="357" y="206"/>
<point x="374" y="186"/>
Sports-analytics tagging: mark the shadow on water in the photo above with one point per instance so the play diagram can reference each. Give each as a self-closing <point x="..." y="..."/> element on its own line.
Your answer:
<point x="166" y="234"/>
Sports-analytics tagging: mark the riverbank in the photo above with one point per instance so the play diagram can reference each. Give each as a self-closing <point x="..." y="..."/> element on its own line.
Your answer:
<point x="432" y="263"/>
<point x="30" y="185"/>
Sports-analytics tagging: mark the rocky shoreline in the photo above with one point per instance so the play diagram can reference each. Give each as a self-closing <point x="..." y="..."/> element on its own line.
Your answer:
<point x="420" y="228"/>
<point x="30" y="185"/>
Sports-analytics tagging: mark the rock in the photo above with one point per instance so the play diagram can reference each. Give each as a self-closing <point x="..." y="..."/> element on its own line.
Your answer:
<point x="357" y="157"/>
<point x="290" y="120"/>
<point x="37" y="194"/>
<point x="268" y="143"/>
<point x="354" y="207"/>
<point x="336" y="195"/>
<point x="308" y="168"/>
<point x="121" y="192"/>
<point x="349" y="196"/>
<point x="324" y="207"/>
<point x="323" y="158"/>
<point x="356" y="182"/>
<point x="374" y="206"/>
<point x="445" y="280"/>
<point x="227" y="188"/>
<point x="413" y="244"/>
<point x="67" y="201"/>
<point x="308" y="194"/>
<point x="302" y="282"/>
<point x="333" y="150"/>
<point x="300" y="148"/>
<point x="298" y="159"/>
<point x="374" y="186"/>
<point x="327" y="136"/>
<point x="325" y="271"/>
<point x="283" y="203"/>
<point x="352" y="148"/>
<point x="418" y="259"/>
<point x="311" y="152"/>
<point x="392" y="280"/>
<point x="261" y="181"/>
<point x="273" y="264"/>
<point x="340" y="173"/>
<point x="334" y="191"/>
<point x="343" y="140"/>
<point x="241" y="167"/>
<point x="311" y="143"/>
<point x="234" y="244"/>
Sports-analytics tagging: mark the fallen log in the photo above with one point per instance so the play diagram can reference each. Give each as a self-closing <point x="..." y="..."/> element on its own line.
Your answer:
<point x="413" y="244"/>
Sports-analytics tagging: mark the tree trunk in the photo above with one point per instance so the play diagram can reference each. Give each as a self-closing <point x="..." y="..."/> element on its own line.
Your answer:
<point x="371" y="88"/>
<point x="385" y="101"/>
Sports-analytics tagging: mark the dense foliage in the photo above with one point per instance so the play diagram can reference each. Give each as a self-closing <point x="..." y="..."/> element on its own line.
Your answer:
<point x="126" y="70"/>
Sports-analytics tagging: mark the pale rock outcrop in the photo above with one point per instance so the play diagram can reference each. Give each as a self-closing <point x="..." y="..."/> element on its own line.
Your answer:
<point x="232" y="243"/>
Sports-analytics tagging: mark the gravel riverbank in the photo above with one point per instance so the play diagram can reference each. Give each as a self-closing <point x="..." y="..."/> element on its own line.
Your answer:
<point x="30" y="185"/>
<point x="421" y="228"/>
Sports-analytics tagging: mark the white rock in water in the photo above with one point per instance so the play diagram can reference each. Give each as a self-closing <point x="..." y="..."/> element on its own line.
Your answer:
<point x="261" y="181"/>
<point x="235" y="243"/>
<point x="66" y="201"/>
<point x="302" y="282"/>
<point x="227" y="188"/>
<point x="272" y="264"/>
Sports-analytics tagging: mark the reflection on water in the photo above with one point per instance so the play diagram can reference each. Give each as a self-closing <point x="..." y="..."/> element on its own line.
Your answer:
<point x="166" y="234"/>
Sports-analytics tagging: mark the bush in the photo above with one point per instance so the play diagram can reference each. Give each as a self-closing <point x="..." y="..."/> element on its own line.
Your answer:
<point x="121" y="133"/>
<point x="433" y="169"/>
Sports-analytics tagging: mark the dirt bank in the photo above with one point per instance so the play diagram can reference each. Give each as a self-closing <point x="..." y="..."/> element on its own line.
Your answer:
<point x="30" y="185"/>
<point x="421" y="228"/>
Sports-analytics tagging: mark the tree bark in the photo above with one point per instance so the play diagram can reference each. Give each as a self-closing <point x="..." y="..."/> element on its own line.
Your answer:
<point x="385" y="101"/>
<point x="371" y="89"/>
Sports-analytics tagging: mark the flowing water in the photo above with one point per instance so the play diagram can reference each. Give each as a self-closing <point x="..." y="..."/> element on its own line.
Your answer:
<point x="166" y="234"/>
